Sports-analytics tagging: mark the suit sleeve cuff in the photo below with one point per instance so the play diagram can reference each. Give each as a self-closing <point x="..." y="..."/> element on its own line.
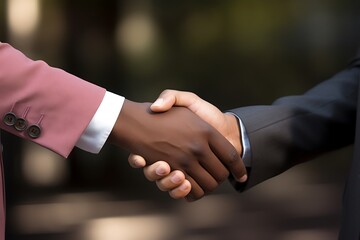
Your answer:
<point x="97" y="132"/>
<point x="246" y="155"/>
<point x="246" y="150"/>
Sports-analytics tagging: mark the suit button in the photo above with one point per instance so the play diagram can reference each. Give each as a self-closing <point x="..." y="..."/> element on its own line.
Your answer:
<point x="9" y="119"/>
<point x="34" y="131"/>
<point x="20" y="124"/>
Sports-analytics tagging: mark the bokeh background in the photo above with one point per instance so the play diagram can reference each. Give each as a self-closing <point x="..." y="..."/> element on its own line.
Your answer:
<point x="231" y="53"/>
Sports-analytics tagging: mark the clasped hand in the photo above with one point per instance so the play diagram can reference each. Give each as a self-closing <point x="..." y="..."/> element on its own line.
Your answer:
<point x="208" y="167"/>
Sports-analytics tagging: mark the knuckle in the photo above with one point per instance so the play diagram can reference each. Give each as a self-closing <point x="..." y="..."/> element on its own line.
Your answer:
<point x="161" y="187"/>
<point x="183" y="165"/>
<point x="196" y="148"/>
<point x="166" y="91"/>
<point x="149" y="174"/>
<point x="233" y="157"/>
<point x="192" y="95"/>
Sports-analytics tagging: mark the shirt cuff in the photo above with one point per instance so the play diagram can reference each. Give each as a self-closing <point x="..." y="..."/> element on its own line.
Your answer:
<point x="97" y="132"/>
<point x="246" y="150"/>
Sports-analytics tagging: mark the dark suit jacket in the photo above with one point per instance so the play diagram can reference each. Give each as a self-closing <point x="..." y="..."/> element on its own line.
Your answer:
<point x="295" y="129"/>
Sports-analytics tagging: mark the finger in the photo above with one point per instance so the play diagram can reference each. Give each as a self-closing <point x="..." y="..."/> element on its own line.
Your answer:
<point x="181" y="191"/>
<point x="200" y="107"/>
<point x="214" y="166"/>
<point x="136" y="161"/>
<point x="157" y="170"/>
<point x="202" y="177"/>
<point x="171" y="181"/>
<point x="228" y="155"/>
<point x="196" y="191"/>
<point x="169" y="98"/>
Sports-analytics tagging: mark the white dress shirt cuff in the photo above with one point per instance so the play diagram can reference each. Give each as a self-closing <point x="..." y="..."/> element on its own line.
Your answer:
<point x="101" y="125"/>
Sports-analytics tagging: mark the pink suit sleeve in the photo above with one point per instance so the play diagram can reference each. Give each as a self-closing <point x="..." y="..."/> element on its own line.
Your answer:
<point x="60" y="103"/>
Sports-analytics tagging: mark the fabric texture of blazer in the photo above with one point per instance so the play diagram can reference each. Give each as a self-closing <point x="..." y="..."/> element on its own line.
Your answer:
<point x="296" y="129"/>
<point x="42" y="104"/>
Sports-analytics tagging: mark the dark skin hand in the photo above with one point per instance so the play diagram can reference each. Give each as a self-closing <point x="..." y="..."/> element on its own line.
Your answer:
<point x="180" y="138"/>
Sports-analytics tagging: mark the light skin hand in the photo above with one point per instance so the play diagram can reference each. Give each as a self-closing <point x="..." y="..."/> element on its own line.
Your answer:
<point x="160" y="173"/>
<point x="180" y="138"/>
<point x="226" y="124"/>
<point x="175" y="183"/>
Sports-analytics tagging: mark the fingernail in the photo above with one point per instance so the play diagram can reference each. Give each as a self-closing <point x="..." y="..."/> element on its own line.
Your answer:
<point x="243" y="178"/>
<point x="176" y="179"/>
<point x="158" y="102"/>
<point x="160" y="171"/>
<point x="184" y="187"/>
<point x="136" y="163"/>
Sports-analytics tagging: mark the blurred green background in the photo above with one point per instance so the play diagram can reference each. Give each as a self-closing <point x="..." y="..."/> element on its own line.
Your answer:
<point x="231" y="53"/>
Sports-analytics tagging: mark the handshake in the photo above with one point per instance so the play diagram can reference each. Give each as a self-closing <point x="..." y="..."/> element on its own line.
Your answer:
<point x="185" y="144"/>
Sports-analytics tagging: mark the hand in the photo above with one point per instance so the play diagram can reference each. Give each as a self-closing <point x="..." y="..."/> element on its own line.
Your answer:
<point x="173" y="182"/>
<point x="180" y="138"/>
<point x="225" y="123"/>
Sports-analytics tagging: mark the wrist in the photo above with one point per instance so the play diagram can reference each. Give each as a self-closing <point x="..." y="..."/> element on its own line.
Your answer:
<point x="233" y="132"/>
<point x="127" y="125"/>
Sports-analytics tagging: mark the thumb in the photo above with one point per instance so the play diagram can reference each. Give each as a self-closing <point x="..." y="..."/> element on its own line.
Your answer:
<point x="163" y="103"/>
<point x="136" y="161"/>
<point x="169" y="98"/>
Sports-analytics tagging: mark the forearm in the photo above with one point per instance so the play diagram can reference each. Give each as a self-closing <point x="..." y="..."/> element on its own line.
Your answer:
<point x="298" y="128"/>
<point x="60" y="103"/>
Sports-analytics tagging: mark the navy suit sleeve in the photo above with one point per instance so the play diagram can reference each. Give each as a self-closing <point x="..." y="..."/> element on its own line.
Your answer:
<point x="295" y="129"/>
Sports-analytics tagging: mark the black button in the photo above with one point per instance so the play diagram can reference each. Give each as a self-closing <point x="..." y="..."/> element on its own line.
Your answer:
<point x="9" y="119"/>
<point x="20" y="124"/>
<point x="34" y="131"/>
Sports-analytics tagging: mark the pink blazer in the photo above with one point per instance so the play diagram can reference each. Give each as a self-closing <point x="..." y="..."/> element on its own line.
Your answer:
<point x="42" y="104"/>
